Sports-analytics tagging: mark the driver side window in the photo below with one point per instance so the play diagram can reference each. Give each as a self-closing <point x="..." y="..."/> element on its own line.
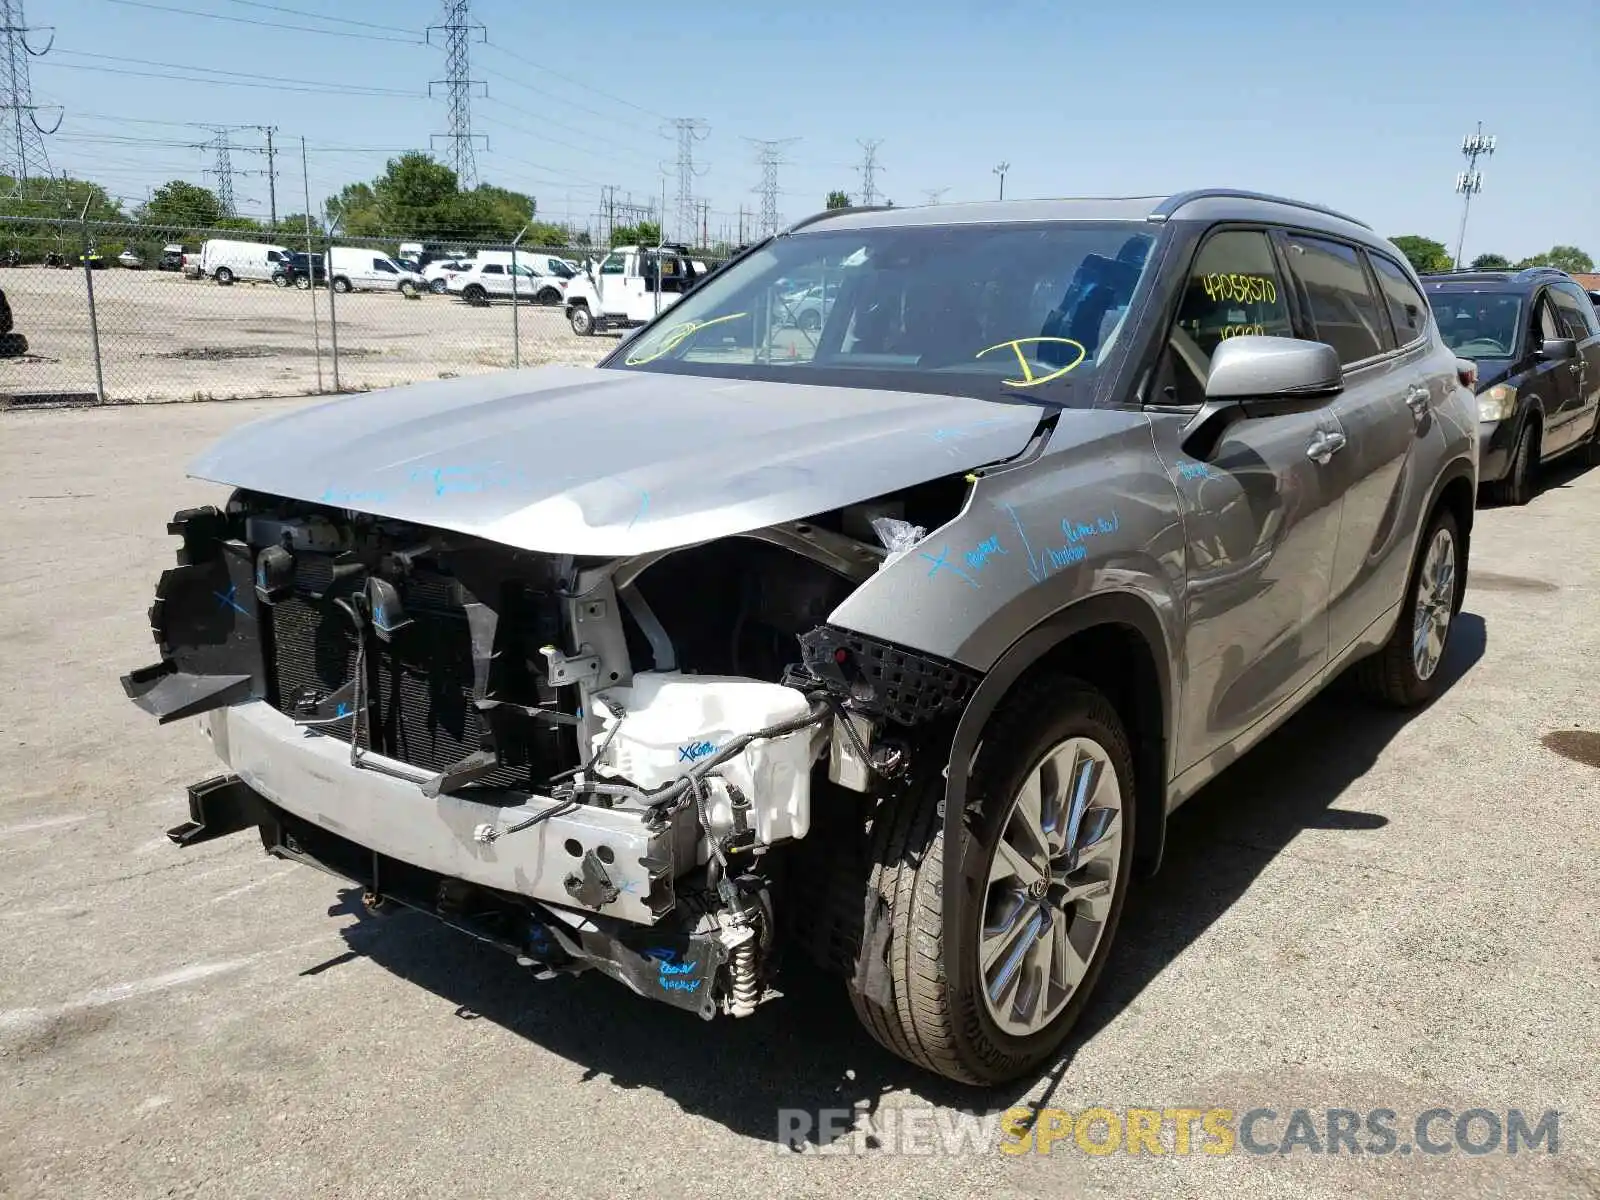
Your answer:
<point x="612" y="265"/>
<point x="1233" y="288"/>
<point x="1545" y="324"/>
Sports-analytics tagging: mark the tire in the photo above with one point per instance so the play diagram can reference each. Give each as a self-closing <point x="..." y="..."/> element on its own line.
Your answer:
<point x="474" y="294"/>
<point x="302" y="282"/>
<point x="938" y="1014"/>
<point x="1518" y="487"/>
<point x="1591" y="452"/>
<point x="224" y="276"/>
<point x="341" y="285"/>
<point x="407" y="288"/>
<point x="438" y="287"/>
<point x="548" y="297"/>
<point x="810" y="321"/>
<point x="1393" y="676"/>
<point x="582" y="320"/>
<point x="280" y="280"/>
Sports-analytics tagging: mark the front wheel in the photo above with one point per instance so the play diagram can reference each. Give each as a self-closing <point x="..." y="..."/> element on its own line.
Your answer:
<point x="474" y="294"/>
<point x="280" y="280"/>
<point x="582" y="320"/>
<point x="1518" y="485"/>
<point x="437" y="287"/>
<point x="1405" y="673"/>
<point x="303" y="282"/>
<point x="408" y="289"/>
<point x="1055" y="833"/>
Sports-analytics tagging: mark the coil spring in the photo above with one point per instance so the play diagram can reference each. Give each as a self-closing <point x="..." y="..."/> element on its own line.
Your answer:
<point x="742" y="979"/>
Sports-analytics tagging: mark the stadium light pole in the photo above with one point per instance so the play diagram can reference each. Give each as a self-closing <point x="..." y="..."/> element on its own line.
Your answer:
<point x="1470" y="182"/>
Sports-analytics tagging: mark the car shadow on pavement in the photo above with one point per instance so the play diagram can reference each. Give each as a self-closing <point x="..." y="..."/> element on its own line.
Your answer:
<point x="806" y="1051"/>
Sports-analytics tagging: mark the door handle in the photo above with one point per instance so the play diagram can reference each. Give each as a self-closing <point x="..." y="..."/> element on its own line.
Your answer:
<point x="1417" y="398"/>
<point x="1325" y="445"/>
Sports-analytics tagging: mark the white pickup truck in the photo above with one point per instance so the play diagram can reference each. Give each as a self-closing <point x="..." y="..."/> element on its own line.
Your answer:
<point x="629" y="287"/>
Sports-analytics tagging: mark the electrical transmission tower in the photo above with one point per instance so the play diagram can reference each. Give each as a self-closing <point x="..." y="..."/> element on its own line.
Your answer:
<point x="23" y="157"/>
<point x="690" y="130"/>
<point x="222" y="168"/>
<point x="770" y="156"/>
<point x="869" y="168"/>
<point x="457" y="27"/>
<point x="933" y="194"/>
<point x="1470" y="181"/>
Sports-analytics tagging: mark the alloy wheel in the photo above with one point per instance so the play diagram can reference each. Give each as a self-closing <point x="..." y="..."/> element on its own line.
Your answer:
<point x="1051" y="884"/>
<point x="1436" y="594"/>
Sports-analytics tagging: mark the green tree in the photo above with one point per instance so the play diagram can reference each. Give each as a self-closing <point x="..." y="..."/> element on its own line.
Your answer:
<point x="1563" y="258"/>
<point x="1425" y="255"/>
<point x="1491" y="262"/>
<point x="645" y="233"/>
<point x="838" y="200"/>
<point x="183" y="205"/>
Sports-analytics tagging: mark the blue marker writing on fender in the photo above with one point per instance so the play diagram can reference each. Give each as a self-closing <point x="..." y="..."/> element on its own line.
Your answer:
<point x="1194" y="470"/>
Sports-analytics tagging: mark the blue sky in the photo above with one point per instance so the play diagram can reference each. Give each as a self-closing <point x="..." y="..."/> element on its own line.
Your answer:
<point x="1359" y="104"/>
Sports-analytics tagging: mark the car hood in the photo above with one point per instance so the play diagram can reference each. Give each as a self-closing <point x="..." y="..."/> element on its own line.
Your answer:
<point x="577" y="460"/>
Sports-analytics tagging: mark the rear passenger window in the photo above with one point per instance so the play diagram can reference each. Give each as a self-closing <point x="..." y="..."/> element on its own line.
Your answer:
<point x="494" y="269"/>
<point x="1575" y="310"/>
<point x="1408" y="311"/>
<point x="1343" y="308"/>
<point x="1234" y="288"/>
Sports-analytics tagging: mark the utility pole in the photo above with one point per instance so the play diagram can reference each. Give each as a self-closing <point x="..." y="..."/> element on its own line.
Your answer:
<point x="869" y="168"/>
<point x="23" y="157"/>
<point x="770" y="156"/>
<point x="272" y="175"/>
<point x="1001" y="171"/>
<point x="933" y="194"/>
<point x="1470" y="181"/>
<point x="458" y="28"/>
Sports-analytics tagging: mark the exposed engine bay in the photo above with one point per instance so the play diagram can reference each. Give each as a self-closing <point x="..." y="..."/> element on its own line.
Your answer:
<point x="593" y="763"/>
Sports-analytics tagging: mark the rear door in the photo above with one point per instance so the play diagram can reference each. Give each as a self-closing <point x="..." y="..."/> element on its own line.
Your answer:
<point x="1385" y="407"/>
<point x="1260" y="521"/>
<point x="1578" y="314"/>
<point x="1556" y="382"/>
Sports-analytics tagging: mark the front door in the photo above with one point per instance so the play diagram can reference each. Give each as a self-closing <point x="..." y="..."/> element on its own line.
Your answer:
<point x="1578" y="314"/>
<point x="1260" y="516"/>
<point x="1554" y="383"/>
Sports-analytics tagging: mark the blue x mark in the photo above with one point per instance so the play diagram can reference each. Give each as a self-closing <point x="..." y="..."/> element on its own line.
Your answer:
<point x="939" y="564"/>
<point x="228" y="599"/>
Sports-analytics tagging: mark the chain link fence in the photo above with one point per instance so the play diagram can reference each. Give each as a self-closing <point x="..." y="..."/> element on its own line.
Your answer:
<point x="112" y="312"/>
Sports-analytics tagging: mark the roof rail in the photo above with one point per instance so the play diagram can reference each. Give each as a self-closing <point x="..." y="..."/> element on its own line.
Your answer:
<point x="1173" y="203"/>
<point x="829" y="213"/>
<point x="1508" y="272"/>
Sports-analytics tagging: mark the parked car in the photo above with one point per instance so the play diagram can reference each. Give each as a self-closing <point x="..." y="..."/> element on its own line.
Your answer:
<point x="661" y="695"/>
<point x="131" y="259"/>
<point x="300" y="270"/>
<point x="171" y="257"/>
<point x="226" y="260"/>
<point x="486" y="279"/>
<point x="1536" y="341"/>
<point x="437" y="274"/>
<point x="355" y="268"/>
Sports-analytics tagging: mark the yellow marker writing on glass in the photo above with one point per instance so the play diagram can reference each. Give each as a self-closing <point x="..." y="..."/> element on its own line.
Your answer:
<point x="676" y="336"/>
<point x="1029" y="379"/>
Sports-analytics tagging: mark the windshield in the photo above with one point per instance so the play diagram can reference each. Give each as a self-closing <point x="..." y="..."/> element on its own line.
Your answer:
<point x="1478" y="324"/>
<point x="1008" y="311"/>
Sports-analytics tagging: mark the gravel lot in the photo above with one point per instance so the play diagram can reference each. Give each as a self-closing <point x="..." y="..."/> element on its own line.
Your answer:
<point x="1367" y="912"/>
<point x="164" y="337"/>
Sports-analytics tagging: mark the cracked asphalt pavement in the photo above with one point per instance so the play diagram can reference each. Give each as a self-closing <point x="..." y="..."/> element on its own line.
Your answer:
<point x="1368" y="911"/>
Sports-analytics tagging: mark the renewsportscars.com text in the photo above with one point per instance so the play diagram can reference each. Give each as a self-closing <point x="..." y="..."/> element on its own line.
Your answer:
<point x="1171" y="1131"/>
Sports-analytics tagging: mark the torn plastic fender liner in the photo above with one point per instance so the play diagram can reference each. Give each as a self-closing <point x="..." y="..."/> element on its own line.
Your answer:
<point x="206" y="620"/>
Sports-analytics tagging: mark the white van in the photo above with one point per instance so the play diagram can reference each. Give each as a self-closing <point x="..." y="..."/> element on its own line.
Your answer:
<point x="225" y="260"/>
<point x="354" y="268"/>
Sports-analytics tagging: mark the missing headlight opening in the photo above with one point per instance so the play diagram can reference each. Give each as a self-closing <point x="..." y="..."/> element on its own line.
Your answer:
<point x="627" y="752"/>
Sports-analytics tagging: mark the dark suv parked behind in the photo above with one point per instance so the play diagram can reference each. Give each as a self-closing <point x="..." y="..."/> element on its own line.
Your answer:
<point x="1536" y="340"/>
<point x="300" y="269"/>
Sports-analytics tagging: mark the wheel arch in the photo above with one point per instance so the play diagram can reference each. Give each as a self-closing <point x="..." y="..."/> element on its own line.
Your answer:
<point x="1113" y="641"/>
<point x="1456" y="490"/>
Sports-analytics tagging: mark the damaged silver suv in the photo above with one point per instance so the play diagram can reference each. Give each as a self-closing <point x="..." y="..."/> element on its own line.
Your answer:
<point x="890" y="638"/>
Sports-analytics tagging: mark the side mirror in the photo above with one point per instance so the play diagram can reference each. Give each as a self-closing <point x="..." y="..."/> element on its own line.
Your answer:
<point x="1558" y="349"/>
<point x="1255" y="376"/>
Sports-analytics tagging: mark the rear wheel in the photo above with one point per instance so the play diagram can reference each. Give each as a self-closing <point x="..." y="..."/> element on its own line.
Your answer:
<point x="473" y="293"/>
<point x="547" y="297"/>
<point x="407" y="288"/>
<point x="1518" y="485"/>
<point x="1056" y="779"/>
<point x="303" y="282"/>
<point x="1405" y="673"/>
<point x="224" y="276"/>
<point x="279" y="279"/>
<point x="810" y="320"/>
<point x="341" y="285"/>
<point x="582" y="320"/>
<point x="437" y="287"/>
<point x="1592" y="451"/>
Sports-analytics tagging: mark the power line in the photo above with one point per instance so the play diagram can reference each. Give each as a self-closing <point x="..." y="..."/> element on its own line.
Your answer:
<point x="295" y="12"/>
<point x="770" y="156"/>
<point x="869" y="168"/>
<point x="587" y="85"/>
<point x="24" y="157"/>
<point x="275" y="79"/>
<point x="457" y="26"/>
<point x="538" y="131"/>
<point x="190" y="12"/>
<point x="328" y="90"/>
<point x="690" y="130"/>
